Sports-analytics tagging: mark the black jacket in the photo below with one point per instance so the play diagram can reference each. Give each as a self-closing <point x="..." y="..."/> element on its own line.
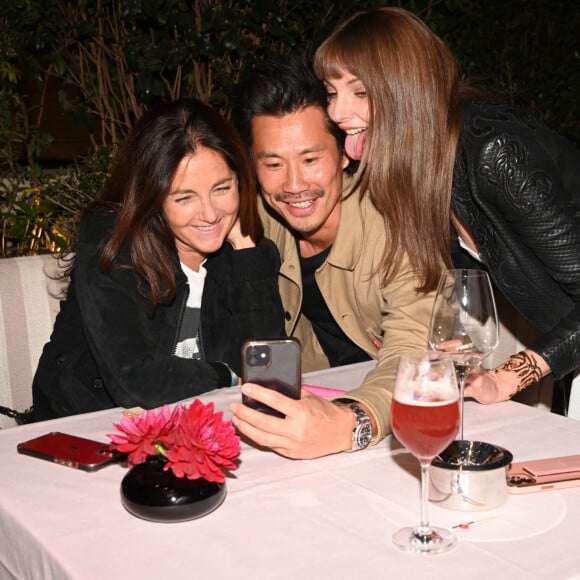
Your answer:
<point x="106" y="349"/>
<point x="517" y="189"/>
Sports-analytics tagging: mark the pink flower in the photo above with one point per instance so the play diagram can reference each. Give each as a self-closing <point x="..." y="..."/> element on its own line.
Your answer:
<point x="146" y="434"/>
<point x="204" y="444"/>
<point x="196" y="441"/>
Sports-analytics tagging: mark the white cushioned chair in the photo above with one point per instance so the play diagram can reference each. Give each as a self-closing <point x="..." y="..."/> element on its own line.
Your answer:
<point x="29" y="302"/>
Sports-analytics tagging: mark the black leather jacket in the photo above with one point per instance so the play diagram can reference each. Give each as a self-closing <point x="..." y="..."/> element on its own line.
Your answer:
<point x="517" y="189"/>
<point x="106" y="349"/>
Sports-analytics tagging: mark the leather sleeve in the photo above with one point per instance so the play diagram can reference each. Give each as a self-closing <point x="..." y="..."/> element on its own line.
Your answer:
<point x="529" y="178"/>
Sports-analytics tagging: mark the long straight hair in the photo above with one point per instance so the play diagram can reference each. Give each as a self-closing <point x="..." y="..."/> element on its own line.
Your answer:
<point x="413" y="91"/>
<point x="141" y="180"/>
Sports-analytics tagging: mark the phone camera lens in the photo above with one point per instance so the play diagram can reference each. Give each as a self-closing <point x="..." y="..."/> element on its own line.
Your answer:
<point x="258" y="355"/>
<point x="520" y="480"/>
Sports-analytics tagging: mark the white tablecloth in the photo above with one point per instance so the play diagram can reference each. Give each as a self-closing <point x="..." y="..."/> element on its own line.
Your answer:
<point x="283" y="519"/>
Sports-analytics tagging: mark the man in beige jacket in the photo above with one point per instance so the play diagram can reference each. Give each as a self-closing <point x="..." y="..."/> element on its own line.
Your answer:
<point x="331" y="243"/>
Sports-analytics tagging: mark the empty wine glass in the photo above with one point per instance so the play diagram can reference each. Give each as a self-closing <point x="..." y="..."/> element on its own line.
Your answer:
<point x="425" y="419"/>
<point x="464" y="322"/>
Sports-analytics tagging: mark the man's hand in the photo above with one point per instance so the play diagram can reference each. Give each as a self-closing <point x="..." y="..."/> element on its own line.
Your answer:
<point x="313" y="426"/>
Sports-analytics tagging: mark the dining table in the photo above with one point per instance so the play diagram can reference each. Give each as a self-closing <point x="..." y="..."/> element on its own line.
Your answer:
<point x="326" y="518"/>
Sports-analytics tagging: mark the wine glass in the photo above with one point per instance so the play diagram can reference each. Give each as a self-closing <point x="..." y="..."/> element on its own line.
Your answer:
<point x="464" y="322"/>
<point x="425" y="419"/>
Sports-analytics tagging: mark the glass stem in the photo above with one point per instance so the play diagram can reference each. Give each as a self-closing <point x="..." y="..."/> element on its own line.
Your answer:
<point x="424" y="530"/>
<point x="461" y="375"/>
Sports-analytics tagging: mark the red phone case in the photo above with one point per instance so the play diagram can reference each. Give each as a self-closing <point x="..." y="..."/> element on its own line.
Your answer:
<point x="71" y="451"/>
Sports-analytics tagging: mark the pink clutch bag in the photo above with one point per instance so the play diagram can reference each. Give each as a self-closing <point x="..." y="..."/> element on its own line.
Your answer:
<point x="324" y="392"/>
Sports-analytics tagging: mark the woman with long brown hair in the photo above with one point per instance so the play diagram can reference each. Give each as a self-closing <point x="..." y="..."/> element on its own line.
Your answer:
<point x="442" y="166"/>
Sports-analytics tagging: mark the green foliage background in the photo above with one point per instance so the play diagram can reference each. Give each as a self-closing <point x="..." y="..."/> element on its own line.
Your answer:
<point x="115" y="58"/>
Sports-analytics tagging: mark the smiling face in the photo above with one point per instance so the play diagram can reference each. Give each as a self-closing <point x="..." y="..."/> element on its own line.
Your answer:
<point x="202" y="205"/>
<point x="299" y="169"/>
<point x="348" y="107"/>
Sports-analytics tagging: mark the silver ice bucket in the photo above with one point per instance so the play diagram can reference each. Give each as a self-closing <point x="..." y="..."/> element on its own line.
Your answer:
<point x="469" y="476"/>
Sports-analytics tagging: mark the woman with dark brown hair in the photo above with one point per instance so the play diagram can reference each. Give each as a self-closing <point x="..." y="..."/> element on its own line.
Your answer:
<point x="171" y="273"/>
<point x="442" y="166"/>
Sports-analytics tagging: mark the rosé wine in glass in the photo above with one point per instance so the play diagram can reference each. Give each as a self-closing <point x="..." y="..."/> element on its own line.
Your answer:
<point x="425" y="419"/>
<point x="425" y="429"/>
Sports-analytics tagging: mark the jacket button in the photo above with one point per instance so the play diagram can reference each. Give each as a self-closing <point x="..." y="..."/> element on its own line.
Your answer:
<point x="287" y="315"/>
<point x="98" y="383"/>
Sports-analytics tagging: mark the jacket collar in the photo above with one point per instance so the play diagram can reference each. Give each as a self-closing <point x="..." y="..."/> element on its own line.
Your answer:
<point x="348" y="244"/>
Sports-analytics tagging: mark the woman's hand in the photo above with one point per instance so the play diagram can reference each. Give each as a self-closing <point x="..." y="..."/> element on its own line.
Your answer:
<point x="488" y="387"/>
<point x="518" y="372"/>
<point x="237" y="240"/>
<point x="313" y="426"/>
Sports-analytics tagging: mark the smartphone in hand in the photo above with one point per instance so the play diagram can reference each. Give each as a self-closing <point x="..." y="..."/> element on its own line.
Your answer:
<point x="275" y="364"/>
<point x="71" y="451"/>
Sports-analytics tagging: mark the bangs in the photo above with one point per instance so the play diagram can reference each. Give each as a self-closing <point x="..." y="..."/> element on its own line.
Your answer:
<point x="336" y="55"/>
<point x="327" y="62"/>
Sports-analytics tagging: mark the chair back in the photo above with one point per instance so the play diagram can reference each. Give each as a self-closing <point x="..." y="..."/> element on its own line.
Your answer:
<point x="30" y="294"/>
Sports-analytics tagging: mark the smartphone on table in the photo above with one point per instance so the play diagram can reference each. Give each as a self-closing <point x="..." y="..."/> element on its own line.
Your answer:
<point x="544" y="474"/>
<point x="273" y="363"/>
<point x="71" y="451"/>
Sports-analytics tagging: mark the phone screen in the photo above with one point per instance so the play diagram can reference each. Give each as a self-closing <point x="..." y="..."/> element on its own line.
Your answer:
<point x="71" y="451"/>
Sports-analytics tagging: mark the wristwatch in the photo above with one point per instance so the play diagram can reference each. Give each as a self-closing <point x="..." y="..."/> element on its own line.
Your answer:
<point x="363" y="431"/>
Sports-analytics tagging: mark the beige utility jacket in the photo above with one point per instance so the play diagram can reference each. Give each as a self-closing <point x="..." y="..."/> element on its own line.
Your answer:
<point x="383" y="321"/>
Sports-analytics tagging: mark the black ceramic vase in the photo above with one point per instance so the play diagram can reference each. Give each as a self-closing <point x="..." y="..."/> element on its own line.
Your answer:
<point x="150" y="493"/>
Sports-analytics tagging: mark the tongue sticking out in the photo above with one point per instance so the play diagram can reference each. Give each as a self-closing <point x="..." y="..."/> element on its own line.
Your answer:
<point x="354" y="145"/>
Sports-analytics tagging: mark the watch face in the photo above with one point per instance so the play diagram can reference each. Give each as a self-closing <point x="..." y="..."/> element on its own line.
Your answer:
<point x="363" y="431"/>
<point x="363" y="434"/>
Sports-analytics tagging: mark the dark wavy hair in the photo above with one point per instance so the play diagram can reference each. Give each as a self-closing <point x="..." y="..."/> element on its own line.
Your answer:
<point x="141" y="180"/>
<point x="283" y="85"/>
